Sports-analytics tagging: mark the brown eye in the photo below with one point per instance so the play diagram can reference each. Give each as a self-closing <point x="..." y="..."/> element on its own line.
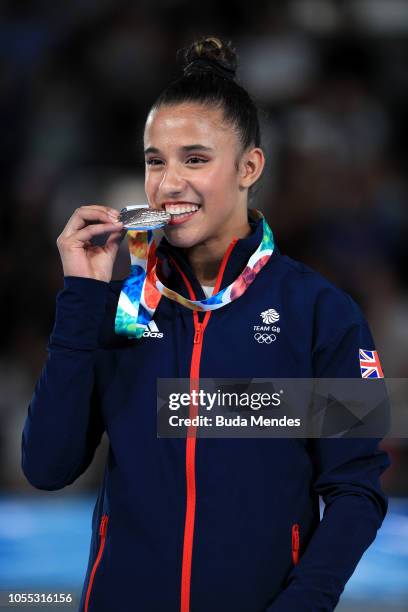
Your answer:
<point x="153" y="162"/>
<point x="197" y="159"/>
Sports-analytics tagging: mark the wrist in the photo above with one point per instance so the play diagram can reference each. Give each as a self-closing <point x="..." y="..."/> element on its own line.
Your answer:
<point x="80" y="310"/>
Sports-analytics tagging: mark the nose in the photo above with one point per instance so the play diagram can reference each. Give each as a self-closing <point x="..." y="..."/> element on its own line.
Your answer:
<point x="172" y="183"/>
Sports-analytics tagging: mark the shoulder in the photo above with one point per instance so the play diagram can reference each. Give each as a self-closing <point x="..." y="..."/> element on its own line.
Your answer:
<point x="317" y="290"/>
<point x="325" y="309"/>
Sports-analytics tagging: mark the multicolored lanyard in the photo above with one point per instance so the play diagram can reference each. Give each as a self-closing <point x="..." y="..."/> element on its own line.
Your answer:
<point x="142" y="290"/>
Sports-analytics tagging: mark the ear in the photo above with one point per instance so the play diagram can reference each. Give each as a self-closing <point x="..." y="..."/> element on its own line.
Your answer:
<point x="251" y="166"/>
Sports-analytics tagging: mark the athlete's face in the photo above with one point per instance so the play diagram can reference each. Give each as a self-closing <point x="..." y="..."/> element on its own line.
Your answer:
<point x="192" y="170"/>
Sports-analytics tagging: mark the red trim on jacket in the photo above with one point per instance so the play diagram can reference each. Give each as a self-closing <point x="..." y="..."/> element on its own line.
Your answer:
<point x="199" y="328"/>
<point x="295" y="543"/>
<point x="102" y="534"/>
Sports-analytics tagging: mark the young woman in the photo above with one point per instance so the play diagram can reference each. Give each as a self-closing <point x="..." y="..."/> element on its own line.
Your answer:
<point x="201" y="524"/>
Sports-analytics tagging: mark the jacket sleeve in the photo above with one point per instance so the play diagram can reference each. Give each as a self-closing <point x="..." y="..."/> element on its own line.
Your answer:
<point x="64" y="425"/>
<point x="347" y="476"/>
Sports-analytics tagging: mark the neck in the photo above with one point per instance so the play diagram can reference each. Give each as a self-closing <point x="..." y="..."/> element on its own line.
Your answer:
<point x="205" y="258"/>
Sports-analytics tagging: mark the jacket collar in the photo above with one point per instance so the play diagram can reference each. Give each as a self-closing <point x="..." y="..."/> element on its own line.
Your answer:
<point x="239" y="256"/>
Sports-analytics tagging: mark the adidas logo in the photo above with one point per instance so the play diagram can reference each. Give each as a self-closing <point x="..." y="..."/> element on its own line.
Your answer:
<point x="152" y="331"/>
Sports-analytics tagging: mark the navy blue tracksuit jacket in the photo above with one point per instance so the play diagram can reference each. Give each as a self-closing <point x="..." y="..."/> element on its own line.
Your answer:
<point x="227" y="525"/>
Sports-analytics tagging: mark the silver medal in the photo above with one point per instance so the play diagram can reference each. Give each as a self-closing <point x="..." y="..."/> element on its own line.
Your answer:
<point x="141" y="217"/>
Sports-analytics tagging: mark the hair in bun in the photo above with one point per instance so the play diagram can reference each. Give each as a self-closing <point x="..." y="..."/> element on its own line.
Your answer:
<point x="209" y="67"/>
<point x="210" y="54"/>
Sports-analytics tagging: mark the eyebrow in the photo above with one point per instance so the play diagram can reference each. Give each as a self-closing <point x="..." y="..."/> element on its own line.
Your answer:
<point x="186" y="148"/>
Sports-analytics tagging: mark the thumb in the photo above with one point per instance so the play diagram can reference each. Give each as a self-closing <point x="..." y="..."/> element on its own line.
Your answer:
<point x="113" y="241"/>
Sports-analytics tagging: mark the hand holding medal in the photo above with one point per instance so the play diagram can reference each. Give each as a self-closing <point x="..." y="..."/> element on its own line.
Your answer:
<point x="79" y="256"/>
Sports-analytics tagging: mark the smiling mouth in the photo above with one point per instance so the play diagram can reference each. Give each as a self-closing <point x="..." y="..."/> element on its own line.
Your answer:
<point x="181" y="211"/>
<point x="179" y="208"/>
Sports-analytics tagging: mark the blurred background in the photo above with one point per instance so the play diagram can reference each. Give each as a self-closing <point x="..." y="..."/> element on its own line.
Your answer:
<point x="77" y="80"/>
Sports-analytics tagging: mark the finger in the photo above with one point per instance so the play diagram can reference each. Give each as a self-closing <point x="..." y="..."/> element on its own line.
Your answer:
<point x="114" y="239"/>
<point x="90" y="231"/>
<point x="109" y="209"/>
<point x="89" y="213"/>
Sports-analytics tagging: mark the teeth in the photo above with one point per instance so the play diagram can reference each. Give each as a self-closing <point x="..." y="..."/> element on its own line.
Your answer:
<point x="178" y="209"/>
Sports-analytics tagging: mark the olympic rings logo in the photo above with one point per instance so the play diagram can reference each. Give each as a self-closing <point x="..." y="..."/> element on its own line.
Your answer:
<point x="265" y="338"/>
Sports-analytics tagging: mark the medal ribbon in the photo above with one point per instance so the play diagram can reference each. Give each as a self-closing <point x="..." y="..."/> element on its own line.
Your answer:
<point x="142" y="289"/>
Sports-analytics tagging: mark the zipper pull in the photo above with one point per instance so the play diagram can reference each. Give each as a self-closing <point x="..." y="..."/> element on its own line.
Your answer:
<point x="295" y="543"/>
<point x="102" y="527"/>
<point x="198" y="333"/>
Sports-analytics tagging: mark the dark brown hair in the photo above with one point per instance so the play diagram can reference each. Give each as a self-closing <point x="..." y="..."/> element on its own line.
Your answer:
<point x="209" y="77"/>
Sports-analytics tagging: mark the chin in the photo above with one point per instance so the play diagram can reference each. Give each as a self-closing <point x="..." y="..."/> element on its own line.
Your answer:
<point x="182" y="239"/>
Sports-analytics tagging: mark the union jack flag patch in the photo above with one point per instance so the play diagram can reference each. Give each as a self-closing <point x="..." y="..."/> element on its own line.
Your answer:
<point x="370" y="365"/>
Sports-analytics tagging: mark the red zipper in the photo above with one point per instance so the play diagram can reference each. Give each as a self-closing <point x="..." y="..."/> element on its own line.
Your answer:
<point x="199" y="328"/>
<point x="295" y="543"/>
<point x="102" y="534"/>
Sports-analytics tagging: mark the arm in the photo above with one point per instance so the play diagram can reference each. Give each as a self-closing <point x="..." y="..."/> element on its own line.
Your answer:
<point x="64" y="425"/>
<point x="348" y="479"/>
<point x="355" y="506"/>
